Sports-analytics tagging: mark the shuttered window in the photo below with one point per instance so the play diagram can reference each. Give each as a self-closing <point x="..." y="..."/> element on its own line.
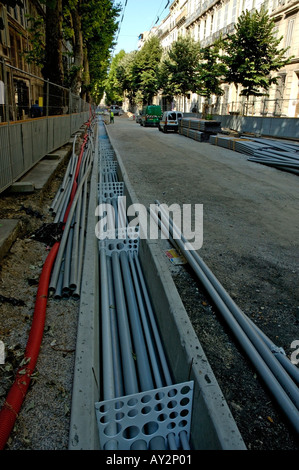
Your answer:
<point x="289" y="35"/>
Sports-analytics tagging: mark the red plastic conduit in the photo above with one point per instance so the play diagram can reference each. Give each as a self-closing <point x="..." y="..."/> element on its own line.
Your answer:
<point x="18" y="390"/>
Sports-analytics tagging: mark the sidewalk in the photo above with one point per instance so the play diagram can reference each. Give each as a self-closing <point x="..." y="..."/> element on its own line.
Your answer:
<point x="37" y="179"/>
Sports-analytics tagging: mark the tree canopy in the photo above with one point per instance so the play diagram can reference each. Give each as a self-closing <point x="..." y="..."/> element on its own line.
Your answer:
<point x="145" y="68"/>
<point x="252" y="54"/>
<point x="88" y="29"/>
<point x="113" y="87"/>
<point x="211" y="71"/>
<point x="179" y="70"/>
<point x="125" y="76"/>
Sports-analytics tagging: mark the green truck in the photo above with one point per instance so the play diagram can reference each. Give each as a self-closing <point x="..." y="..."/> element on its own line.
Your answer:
<point x="151" y="116"/>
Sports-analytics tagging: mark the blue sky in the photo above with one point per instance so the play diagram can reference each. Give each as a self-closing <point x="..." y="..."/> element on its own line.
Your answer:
<point x="138" y="16"/>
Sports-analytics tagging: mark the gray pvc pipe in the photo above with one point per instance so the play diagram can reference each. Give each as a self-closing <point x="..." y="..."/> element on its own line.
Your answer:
<point x="157" y="339"/>
<point x="128" y="364"/>
<point x="142" y="361"/>
<point x="76" y="293"/>
<point x="107" y="351"/>
<point x="67" y="264"/>
<point x="75" y="250"/>
<point x="276" y="367"/>
<point x="117" y="369"/>
<point x="56" y="269"/>
<point x="270" y="380"/>
<point x="149" y="342"/>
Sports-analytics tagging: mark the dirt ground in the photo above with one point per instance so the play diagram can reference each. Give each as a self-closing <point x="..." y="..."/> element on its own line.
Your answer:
<point x="250" y="243"/>
<point x="43" y="422"/>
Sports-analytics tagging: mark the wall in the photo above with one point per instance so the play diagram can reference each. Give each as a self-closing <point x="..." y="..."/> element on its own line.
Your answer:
<point x="287" y="128"/>
<point x="24" y="143"/>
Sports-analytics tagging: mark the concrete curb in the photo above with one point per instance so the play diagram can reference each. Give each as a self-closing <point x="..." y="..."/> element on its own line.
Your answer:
<point x="9" y="230"/>
<point x="83" y="426"/>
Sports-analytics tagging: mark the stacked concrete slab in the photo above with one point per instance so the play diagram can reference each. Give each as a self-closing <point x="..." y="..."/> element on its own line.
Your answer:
<point x="199" y="129"/>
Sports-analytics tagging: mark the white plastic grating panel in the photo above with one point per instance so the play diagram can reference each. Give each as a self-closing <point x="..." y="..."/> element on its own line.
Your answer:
<point x="123" y="239"/>
<point x="145" y="415"/>
<point x="110" y="190"/>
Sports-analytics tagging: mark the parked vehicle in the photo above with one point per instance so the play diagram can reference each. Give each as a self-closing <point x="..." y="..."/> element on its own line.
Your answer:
<point x="116" y="109"/>
<point x="170" y="121"/>
<point x="151" y="116"/>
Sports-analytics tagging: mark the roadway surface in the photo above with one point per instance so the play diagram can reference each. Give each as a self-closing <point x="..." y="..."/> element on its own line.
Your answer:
<point x="250" y="242"/>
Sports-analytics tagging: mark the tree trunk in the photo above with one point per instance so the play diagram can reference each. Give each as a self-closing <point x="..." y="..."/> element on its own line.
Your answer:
<point x="86" y="77"/>
<point x="53" y="69"/>
<point x="78" y="53"/>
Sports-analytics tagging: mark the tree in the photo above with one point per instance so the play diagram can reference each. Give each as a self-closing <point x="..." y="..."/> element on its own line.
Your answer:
<point x="211" y="70"/>
<point x="73" y="32"/>
<point x="179" y="70"/>
<point x="53" y="65"/>
<point x="145" y="70"/>
<point x="90" y="26"/>
<point x="252" y="54"/>
<point x="113" y="88"/>
<point x="125" y="76"/>
<point x="35" y="54"/>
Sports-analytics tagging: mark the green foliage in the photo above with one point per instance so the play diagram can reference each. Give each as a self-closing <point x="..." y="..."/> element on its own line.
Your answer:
<point x="252" y="54"/>
<point x="125" y="76"/>
<point x="179" y="70"/>
<point x="211" y="71"/>
<point x="113" y="88"/>
<point x="145" y="68"/>
<point x="99" y="26"/>
<point x="36" y="54"/>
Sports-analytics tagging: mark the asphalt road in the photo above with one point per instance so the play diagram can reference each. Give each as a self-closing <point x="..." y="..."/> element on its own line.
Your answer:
<point x="249" y="209"/>
<point x="250" y="242"/>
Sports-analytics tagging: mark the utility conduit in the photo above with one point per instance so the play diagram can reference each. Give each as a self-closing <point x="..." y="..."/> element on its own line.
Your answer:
<point x="133" y="358"/>
<point x="272" y="373"/>
<point x="17" y="392"/>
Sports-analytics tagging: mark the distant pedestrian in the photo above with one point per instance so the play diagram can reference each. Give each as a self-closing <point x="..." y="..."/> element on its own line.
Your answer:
<point x="36" y="110"/>
<point x="111" y="117"/>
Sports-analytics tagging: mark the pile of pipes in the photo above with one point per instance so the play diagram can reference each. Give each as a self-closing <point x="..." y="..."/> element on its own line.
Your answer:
<point x="136" y="381"/>
<point x="270" y="152"/>
<point x="278" y="373"/>
<point x="69" y="208"/>
<point x="199" y="129"/>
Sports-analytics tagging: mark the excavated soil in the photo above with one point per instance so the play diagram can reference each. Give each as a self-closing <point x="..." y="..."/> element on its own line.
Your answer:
<point x="43" y="422"/>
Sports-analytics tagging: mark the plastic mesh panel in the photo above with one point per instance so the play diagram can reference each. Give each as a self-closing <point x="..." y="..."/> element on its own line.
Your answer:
<point x="145" y="415"/>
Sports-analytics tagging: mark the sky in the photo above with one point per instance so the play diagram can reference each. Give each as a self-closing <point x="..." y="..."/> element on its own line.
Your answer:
<point x="136" y="17"/>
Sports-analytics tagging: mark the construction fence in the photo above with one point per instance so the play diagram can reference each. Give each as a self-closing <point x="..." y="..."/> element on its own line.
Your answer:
<point x="28" y="133"/>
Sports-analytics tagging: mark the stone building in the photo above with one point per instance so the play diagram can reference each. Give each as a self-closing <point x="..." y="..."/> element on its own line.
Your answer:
<point x="21" y="81"/>
<point x="20" y="77"/>
<point x="206" y="20"/>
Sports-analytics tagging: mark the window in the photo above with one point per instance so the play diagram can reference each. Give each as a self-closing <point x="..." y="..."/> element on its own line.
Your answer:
<point x="289" y="34"/>
<point x="234" y="11"/>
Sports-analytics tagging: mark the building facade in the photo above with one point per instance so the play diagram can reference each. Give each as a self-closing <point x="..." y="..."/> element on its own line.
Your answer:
<point x="206" y="20"/>
<point x="22" y="81"/>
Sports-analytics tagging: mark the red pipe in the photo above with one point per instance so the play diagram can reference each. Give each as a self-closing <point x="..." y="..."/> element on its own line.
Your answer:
<point x="18" y="390"/>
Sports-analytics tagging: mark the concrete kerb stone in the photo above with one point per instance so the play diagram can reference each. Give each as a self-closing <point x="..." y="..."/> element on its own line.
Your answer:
<point x="213" y="426"/>
<point x="86" y="383"/>
<point x="9" y="231"/>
